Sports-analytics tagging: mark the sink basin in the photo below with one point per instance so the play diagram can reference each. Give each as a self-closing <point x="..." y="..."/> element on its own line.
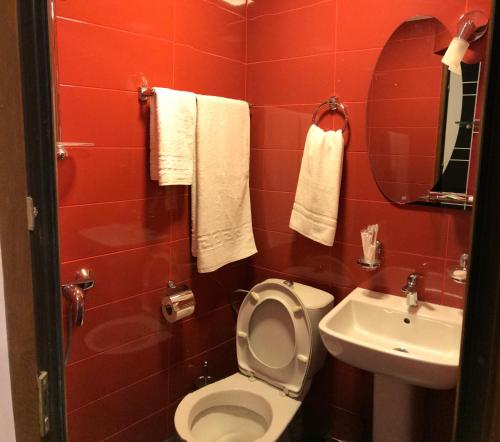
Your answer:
<point x="376" y="332"/>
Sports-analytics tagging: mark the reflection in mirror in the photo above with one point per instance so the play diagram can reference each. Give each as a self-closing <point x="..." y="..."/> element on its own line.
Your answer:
<point x="459" y="125"/>
<point x="421" y="118"/>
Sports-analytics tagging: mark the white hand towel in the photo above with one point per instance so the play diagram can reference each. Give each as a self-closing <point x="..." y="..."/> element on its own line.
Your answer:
<point x="172" y="136"/>
<point x="221" y="217"/>
<point x="316" y="205"/>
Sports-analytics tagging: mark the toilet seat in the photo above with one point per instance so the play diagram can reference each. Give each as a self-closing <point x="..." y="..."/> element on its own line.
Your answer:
<point x="273" y="340"/>
<point x="278" y="352"/>
<point x="215" y="412"/>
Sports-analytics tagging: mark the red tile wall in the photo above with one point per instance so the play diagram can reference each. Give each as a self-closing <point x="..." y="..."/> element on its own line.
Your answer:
<point x="128" y="368"/>
<point x="299" y="53"/>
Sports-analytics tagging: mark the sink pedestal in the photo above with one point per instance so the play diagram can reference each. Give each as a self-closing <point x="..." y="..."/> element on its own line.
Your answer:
<point x="397" y="410"/>
<point x="376" y="332"/>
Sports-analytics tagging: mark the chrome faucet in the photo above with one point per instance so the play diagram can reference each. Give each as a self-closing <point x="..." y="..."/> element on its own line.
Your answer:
<point x="410" y="290"/>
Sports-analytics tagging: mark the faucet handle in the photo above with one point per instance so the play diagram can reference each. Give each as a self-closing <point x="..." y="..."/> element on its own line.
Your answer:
<point x="412" y="277"/>
<point x="411" y="282"/>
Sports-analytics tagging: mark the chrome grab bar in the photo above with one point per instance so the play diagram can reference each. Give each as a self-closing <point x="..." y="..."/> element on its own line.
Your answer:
<point x="74" y="294"/>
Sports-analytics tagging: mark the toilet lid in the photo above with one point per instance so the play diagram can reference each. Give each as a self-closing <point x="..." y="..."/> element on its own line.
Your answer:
<point x="273" y="336"/>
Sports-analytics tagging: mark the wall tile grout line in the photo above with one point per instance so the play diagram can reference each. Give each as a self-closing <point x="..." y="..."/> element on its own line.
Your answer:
<point x="297" y="58"/>
<point x="76" y="410"/>
<point x="351" y="244"/>
<point x="287" y="11"/>
<point x="111" y="28"/>
<point x="147" y="335"/>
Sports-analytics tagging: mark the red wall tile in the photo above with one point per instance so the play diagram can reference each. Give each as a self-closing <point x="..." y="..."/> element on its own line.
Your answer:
<point x="272" y="169"/>
<point x="123" y="274"/>
<point x="204" y="73"/>
<point x="97" y="229"/>
<point x="294" y="81"/>
<point x="257" y="8"/>
<point x="237" y="6"/>
<point x="95" y="377"/>
<point x="271" y="210"/>
<point x="355" y="134"/>
<point x="357" y="28"/>
<point x="217" y="30"/>
<point x="154" y="428"/>
<point x="283" y="127"/>
<point x="106" y="118"/>
<point x="357" y="179"/>
<point x="273" y="37"/>
<point x="118" y="410"/>
<point x="154" y="17"/>
<point x="183" y="375"/>
<point x="353" y="74"/>
<point x="95" y="175"/>
<point x="192" y="337"/>
<point x="112" y="325"/>
<point x="90" y="55"/>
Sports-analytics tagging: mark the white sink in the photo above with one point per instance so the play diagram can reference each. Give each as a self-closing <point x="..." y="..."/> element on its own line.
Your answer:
<point x="375" y="332"/>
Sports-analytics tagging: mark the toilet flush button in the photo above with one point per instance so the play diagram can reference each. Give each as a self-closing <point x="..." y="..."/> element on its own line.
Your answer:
<point x="302" y="358"/>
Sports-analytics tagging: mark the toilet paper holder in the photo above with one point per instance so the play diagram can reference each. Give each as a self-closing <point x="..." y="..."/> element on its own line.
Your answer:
<point x="179" y="302"/>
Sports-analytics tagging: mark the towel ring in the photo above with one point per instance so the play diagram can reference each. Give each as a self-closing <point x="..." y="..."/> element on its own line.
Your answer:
<point x="334" y="104"/>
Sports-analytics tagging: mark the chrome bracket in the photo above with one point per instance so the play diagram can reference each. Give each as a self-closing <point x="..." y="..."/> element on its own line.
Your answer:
<point x="43" y="403"/>
<point x="31" y="212"/>
<point x="370" y="266"/>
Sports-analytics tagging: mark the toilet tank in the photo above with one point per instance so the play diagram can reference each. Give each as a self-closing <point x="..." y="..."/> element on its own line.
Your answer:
<point x="317" y="304"/>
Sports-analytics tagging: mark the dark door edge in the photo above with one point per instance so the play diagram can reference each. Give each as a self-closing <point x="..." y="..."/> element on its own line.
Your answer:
<point x="478" y="387"/>
<point x="42" y="187"/>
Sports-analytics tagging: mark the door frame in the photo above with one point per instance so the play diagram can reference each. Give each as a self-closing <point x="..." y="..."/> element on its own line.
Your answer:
<point x="28" y="168"/>
<point x="478" y="408"/>
<point x="14" y="236"/>
<point x="30" y="258"/>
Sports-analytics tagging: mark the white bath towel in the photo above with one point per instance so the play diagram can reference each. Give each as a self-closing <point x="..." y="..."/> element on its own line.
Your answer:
<point x="315" y="209"/>
<point x="172" y="136"/>
<point x="220" y="196"/>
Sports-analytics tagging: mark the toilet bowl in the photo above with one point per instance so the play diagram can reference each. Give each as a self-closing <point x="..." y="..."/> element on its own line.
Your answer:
<point x="279" y="350"/>
<point x="235" y="409"/>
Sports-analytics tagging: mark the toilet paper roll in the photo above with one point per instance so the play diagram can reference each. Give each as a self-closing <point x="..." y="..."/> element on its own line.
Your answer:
<point x="179" y="304"/>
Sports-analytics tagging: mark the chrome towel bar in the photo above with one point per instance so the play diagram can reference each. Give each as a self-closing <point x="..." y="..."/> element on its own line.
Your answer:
<point x="146" y="92"/>
<point x="335" y="105"/>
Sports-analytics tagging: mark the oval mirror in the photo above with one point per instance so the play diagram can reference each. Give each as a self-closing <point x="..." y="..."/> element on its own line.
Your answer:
<point x="421" y="117"/>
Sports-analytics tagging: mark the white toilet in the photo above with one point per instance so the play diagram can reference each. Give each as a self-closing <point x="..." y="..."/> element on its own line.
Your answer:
<point x="279" y="350"/>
